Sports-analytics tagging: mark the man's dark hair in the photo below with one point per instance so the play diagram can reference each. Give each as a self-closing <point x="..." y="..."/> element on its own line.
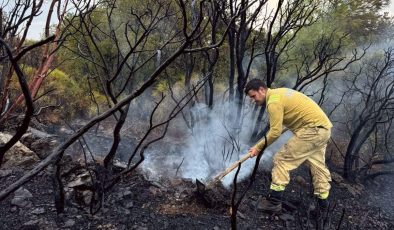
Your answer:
<point x="254" y="84"/>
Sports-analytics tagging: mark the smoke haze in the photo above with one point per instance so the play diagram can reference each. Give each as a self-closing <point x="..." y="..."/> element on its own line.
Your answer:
<point x="212" y="146"/>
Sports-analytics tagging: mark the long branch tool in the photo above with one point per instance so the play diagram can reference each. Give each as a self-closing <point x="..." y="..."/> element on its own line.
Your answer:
<point x="202" y="188"/>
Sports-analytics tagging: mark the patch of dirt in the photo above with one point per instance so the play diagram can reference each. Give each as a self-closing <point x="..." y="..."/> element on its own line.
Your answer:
<point x="135" y="203"/>
<point x="381" y="194"/>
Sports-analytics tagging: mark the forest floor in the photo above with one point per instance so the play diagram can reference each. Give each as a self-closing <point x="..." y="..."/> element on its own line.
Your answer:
<point x="135" y="203"/>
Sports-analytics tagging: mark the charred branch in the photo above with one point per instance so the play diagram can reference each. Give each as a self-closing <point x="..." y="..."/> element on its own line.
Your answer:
<point x="57" y="154"/>
<point x="130" y="168"/>
<point x="326" y="60"/>
<point x="292" y="17"/>
<point x="28" y="101"/>
<point x="111" y="154"/>
<point x="376" y="91"/>
<point x="235" y="203"/>
<point x="46" y="61"/>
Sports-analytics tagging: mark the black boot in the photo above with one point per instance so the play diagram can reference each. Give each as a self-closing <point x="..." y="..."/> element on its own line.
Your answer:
<point x="322" y="207"/>
<point x="272" y="203"/>
<point x="322" y="216"/>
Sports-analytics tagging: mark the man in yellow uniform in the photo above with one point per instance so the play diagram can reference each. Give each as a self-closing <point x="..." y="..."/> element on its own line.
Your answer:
<point x="312" y="130"/>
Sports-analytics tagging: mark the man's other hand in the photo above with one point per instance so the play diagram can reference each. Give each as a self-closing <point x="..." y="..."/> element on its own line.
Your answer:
<point x="253" y="152"/>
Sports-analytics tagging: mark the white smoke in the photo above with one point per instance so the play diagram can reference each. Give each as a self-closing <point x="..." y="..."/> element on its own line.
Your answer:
<point x="265" y="161"/>
<point x="212" y="146"/>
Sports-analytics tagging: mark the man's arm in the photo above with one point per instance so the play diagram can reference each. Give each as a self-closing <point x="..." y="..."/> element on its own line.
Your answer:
<point x="275" y="112"/>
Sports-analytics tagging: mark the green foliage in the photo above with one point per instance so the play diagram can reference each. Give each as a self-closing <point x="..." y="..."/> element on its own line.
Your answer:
<point x="102" y="53"/>
<point x="363" y="20"/>
<point x="74" y="101"/>
<point x="349" y="22"/>
<point x="313" y="43"/>
<point x="14" y="87"/>
<point x="160" y="87"/>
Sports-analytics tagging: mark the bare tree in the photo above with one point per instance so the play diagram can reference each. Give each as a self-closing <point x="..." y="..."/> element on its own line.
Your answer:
<point x="12" y="25"/>
<point x="328" y="54"/>
<point x="235" y="203"/>
<point x="231" y="9"/>
<point x="14" y="29"/>
<point x="115" y="72"/>
<point x="114" y="80"/>
<point x="371" y="89"/>
<point x="212" y="56"/>
<point x="28" y="101"/>
<point x="283" y="23"/>
<point x="50" y="44"/>
<point x="242" y="33"/>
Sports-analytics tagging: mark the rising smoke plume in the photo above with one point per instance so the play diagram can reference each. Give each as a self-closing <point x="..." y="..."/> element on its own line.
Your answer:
<point x="213" y="145"/>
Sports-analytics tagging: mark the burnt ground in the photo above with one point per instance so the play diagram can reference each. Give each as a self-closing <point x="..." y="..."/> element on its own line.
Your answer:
<point x="135" y="203"/>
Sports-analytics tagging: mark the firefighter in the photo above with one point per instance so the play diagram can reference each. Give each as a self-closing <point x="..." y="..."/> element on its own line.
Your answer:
<point x="311" y="128"/>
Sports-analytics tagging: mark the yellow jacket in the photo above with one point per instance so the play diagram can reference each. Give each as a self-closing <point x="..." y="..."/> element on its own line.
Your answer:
<point x="292" y="109"/>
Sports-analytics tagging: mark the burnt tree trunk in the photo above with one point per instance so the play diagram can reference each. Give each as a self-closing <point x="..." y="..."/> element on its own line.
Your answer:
<point x="231" y="47"/>
<point x="255" y="134"/>
<point x="240" y="53"/>
<point x="189" y="66"/>
<point x="356" y="142"/>
<point x="108" y="160"/>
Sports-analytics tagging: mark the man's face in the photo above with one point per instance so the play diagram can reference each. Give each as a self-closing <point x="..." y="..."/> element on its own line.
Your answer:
<point x="258" y="96"/>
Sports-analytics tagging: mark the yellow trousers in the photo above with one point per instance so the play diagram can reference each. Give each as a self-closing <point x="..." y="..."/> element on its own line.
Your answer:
<point x="307" y="145"/>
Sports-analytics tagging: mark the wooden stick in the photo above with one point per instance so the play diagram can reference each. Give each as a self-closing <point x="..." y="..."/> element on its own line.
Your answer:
<point x="231" y="168"/>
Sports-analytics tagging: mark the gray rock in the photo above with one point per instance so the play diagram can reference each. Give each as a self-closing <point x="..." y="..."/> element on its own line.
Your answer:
<point x="4" y="173"/>
<point x="38" y="211"/>
<point x="23" y="193"/>
<point x="32" y="222"/>
<point x="22" y="198"/>
<point x="21" y="202"/>
<point x="87" y="196"/>
<point x="216" y="228"/>
<point x="287" y="217"/>
<point x="18" y="155"/>
<point x="82" y="179"/>
<point x="124" y="193"/>
<point x="124" y="211"/>
<point x="69" y="223"/>
<point x="38" y="134"/>
<point x="241" y="215"/>
<point x="129" y="204"/>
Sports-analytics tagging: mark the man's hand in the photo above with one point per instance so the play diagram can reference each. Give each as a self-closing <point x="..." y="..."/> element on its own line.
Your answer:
<point x="253" y="152"/>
